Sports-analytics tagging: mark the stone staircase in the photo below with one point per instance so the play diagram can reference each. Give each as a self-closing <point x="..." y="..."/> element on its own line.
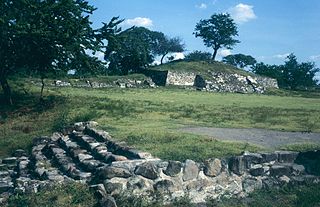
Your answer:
<point x="75" y="157"/>
<point x="87" y="155"/>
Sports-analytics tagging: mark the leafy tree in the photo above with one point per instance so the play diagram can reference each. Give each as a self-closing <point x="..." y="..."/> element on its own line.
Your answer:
<point x="198" y="56"/>
<point x="240" y="60"/>
<point x="165" y="45"/>
<point x="131" y="51"/>
<point x="292" y="75"/>
<point x="217" y="32"/>
<point x="44" y="37"/>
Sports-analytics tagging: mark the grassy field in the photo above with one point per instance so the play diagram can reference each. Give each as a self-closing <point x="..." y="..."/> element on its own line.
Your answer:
<point x="149" y="119"/>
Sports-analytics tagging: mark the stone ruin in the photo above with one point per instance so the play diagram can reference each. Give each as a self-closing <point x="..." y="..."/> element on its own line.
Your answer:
<point x="112" y="169"/>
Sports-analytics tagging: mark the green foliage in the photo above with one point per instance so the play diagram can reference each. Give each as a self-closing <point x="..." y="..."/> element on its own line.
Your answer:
<point x="198" y="56"/>
<point x="166" y="45"/>
<point x="217" y="32"/>
<point x="45" y="37"/>
<point x="132" y="51"/>
<point x="292" y="75"/>
<point x="68" y="195"/>
<point x="240" y="60"/>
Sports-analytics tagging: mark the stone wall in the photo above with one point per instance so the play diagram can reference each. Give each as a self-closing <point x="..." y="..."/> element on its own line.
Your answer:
<point x="180" y="78"/>
<point x="111" y="168"/>
<point x="216" y="81"/>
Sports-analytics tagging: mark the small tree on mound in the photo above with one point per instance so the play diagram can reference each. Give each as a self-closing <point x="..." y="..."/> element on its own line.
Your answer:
<point x="240" y="60"/>
<point x="217" y="32"/>
<point x="198" y="56"/>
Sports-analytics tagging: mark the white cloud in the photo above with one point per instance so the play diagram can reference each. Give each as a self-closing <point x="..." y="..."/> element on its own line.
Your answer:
<point x="242" y="13"/>
<point x="139" y="21"/>
<point x="224" y="52"/>
<point x="178" y="55"/>
<point x="281" y="56"/>
<point x="314" y="57"/>
<point x="202" y="6"/>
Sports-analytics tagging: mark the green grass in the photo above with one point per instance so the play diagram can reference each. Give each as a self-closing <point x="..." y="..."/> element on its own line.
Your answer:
<point x="150" y="119"/>
<point x="68" y="195"/>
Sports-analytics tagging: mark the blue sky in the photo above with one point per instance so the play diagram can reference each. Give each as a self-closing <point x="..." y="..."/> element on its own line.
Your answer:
<point x="268" y="29"/>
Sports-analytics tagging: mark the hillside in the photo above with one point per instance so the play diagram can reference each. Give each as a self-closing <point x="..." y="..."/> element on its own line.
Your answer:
<point x="202" y="67"/>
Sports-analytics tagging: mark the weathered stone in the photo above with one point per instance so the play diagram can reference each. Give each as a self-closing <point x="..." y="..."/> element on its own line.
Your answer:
<point x="4" y="174"/>
<point x="279" y="170"/>
<point x="164" y="186"/>
<point x="237" y="165"/>
<point x="147" y="170"/>
<point x="9" y="160"/>
<point x="3" y="167"/>
<point x="251" y="184"/>
<point x="108" y="202"/>
<point x="287" y="156"/>
<point x="190" y="170"/>
<point x="19" y="153"/>
<point x="284" y="179"/>
<point x="111" y="172"/>
<point x="257" y="171"/>
<point x="269" y="157"/>
<point x="298" y="169"/>
<point x="252" y="158"/>
<point x="212" y="167"/>
<point x="173" y="168"/>
<point x="113" y="188"/>
<point x="5" y="186"/>
<point x="99" y="191"/>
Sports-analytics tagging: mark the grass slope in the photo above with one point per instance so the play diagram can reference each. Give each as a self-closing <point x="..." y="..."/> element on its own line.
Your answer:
<point x="200" y="67"/>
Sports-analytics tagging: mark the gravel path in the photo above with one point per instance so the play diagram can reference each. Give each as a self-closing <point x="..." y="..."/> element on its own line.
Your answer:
<point x="263" y="137"/>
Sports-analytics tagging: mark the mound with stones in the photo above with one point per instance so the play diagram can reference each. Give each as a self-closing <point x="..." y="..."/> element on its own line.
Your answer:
<point x="112" y="169"/>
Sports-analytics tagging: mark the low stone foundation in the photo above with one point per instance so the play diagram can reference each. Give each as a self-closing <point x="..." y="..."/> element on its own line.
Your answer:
<point x="112" y="169"/>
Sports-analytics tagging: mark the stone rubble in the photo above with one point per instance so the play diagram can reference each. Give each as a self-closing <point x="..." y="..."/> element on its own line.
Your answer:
<point x="111" y="169"/>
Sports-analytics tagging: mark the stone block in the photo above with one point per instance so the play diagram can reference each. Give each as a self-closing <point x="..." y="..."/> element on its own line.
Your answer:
<point x="212" y="167"/>
<point x="147" y="170"/>
<point x="173" y="169"/>
<point x="279" y="170"/>
<point x="287" y="156"/>
<point x="269" y="157"/>
<point x="237" y="165"/>
<point x="190" y="170"/>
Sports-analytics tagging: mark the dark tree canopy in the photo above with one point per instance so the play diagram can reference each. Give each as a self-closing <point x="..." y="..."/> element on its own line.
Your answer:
<point x="292" y="75"/>
<point x="198" y="56"/>
<point x="132" y="51"/>
<point x="45" y="36"/>
<point x="217" y="32"/>
<point x="165" y="45"/>
<point x="240" y="60"/>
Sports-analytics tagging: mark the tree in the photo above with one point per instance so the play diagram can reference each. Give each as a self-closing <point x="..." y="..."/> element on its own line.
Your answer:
<point x="165" y="45"/>
<point x="292" y="75"/>
<point x="198" y="56"/>
<point x="217" y="32"/>
<point x="44" y="37"/>
<point x="240" y="60"/>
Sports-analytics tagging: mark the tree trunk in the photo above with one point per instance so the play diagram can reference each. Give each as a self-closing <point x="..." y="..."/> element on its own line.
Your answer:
<point x="215" y="51"/>
<point x="42" y="87"/>
<point x="163" y="58"/>
<point x="6" y="90"/>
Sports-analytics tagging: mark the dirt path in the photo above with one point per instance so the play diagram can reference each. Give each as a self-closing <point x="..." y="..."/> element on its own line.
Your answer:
<point x="263" y="137"/>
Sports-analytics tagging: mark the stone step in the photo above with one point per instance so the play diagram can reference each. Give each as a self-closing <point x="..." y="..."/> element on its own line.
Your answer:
<point x="42" y="167"/>
<point x="81" y="156"/>
<point x="98" y="149"/>
<point x="65" y="163"/>
<point x="117" y="148"/>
